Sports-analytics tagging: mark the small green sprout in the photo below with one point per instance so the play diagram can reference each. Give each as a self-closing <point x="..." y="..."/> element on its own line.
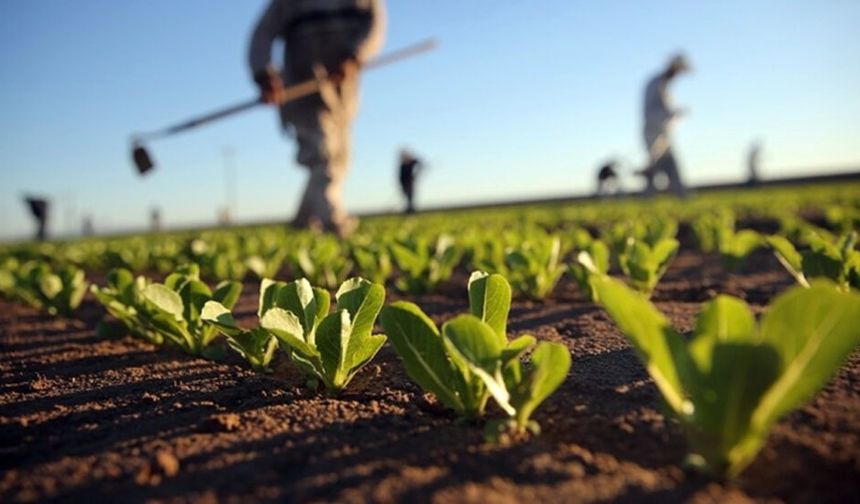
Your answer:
<point x="645" y="265"/>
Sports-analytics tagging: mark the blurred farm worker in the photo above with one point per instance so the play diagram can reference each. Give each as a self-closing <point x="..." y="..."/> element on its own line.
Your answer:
<point x="410" y="166"/>
<point x="39" y="209"/>
<point x="607" y="179"/>
<point x="328" y="40"/>
<point x="753" y="163"/>
<point x="154" y="220"/>
<point x="660" y="116"/>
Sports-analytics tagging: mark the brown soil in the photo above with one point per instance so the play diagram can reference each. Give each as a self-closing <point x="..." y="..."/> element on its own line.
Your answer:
<point x="89" y="419"/>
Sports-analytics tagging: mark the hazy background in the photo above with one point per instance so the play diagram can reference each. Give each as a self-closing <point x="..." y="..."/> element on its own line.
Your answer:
<point x="522" y="99"/>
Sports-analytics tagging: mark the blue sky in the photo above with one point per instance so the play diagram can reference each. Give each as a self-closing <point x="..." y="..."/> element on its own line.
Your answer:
<point x="522" y="99"/>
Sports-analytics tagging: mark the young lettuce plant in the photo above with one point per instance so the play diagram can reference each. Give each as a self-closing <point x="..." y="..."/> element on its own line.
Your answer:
<point x="644" y="265"/>
<point x="328" y="347"/>
<point x="59" y="291"/>
<point x="122" y="297"/>
<point x="267" y="264"/>
<point x="535" y="266"/>
<point x="839" y="262"/>
<point x="373" y="262"/>
<point x="731" y="382"/>
<point x="736" y="246"/>
<point x="594" y="258"/>
<point x="257" y="346"/>
<point x="174" y="307"/>
<point x="323" y="261"/>
<point x="471" y="359"/>
<point x="423" y="267"/>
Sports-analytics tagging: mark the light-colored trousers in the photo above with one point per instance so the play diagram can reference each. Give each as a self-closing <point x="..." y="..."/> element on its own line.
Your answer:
<point x="662" y="160"/>
<point x="322" y="126"/>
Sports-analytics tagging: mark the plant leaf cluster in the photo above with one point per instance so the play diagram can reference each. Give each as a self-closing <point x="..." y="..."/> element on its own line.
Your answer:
<point x="734" y="378"/>
<point x="838" y="262"/>
<point x="330" y="348"/>
<point x="470" y="359"/>
<point x="58" y="290"/>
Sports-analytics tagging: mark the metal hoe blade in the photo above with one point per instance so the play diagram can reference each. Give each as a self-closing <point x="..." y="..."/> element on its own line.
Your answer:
<point x="141" y="158"/>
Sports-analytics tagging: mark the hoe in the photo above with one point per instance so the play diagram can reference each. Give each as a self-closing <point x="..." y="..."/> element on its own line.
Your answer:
<point x="143" y="161"/>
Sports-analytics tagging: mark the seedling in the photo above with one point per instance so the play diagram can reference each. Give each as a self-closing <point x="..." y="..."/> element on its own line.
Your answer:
<point x="257" y="346"/>
<point x="716" y="232"/>
<point x="734" y="378"/>
<point x="373" y="261"/>
<point x="324" y="262"/>
<point x="58" y="291"/>
<point x="423" y="267"/>
<point x="735" y="247"/>
<point x="122" y="297"/>
<point x="650" y="230"/>
<point x="645" y="265"/>
<point x="173" y="308"/>
<point x="534" y="267"/>
<point x="471" y="358"/>
<point x="328" y="348"/>
<point x="268" y="264"/>
<point x="839" y="262"/>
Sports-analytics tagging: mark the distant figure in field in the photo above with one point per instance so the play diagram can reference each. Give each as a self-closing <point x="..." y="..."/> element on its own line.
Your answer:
<point x="660" y="116"/>
<point x="410" y="166"/>
<point x="754" y="163"/>
<point x="607" y="179"/>
<point x="329" y="40"/>
<point x="39" y="209"/>
<point x="87" y="226"/>
<point x="155" y="220"/>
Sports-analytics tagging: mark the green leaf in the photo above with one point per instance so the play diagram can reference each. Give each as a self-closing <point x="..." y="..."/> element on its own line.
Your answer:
<point x="662" y="254"/>
<point x="419" y="345"/>
<point x="472" y="339"/>
<point x="490" y="301"/>
<point x="474" y="348"/>
<point x="287" y="328"/>
<point x="548" y="368"/>
<point x="363" y="300"/>
<point x="164" y="299"/>
<point x="814" y="330"/>
<point x="517" y="348"/>
<point x="333" y="337"/>
<point x="511" y="369"/>
<point x="653" y="338"/>
<point x="50" y="285"/>
<point x="120" y="279"/>
<point x="256" y="346"/>
<point x="599" y="253"/>
<point x="194" y="295"/>
<point x="227" y="293"/>
<point x="269" y="290"/>
<point x="788" y="256"/>
<point x="786" y="252"/>
<point x="323" y="303"/>
<point x="724" y="393"/>
<point x="300" y="298"/>
<point x="724" y="320"/>
<point x="217" y="314"/>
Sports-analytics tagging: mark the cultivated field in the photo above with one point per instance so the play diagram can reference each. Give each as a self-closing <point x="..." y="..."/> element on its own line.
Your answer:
<point x="164" y="399"/>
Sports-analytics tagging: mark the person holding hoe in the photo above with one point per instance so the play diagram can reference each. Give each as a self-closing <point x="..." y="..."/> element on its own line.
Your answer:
<point x="328" y="40"/>
<point x="660" y="116"/>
